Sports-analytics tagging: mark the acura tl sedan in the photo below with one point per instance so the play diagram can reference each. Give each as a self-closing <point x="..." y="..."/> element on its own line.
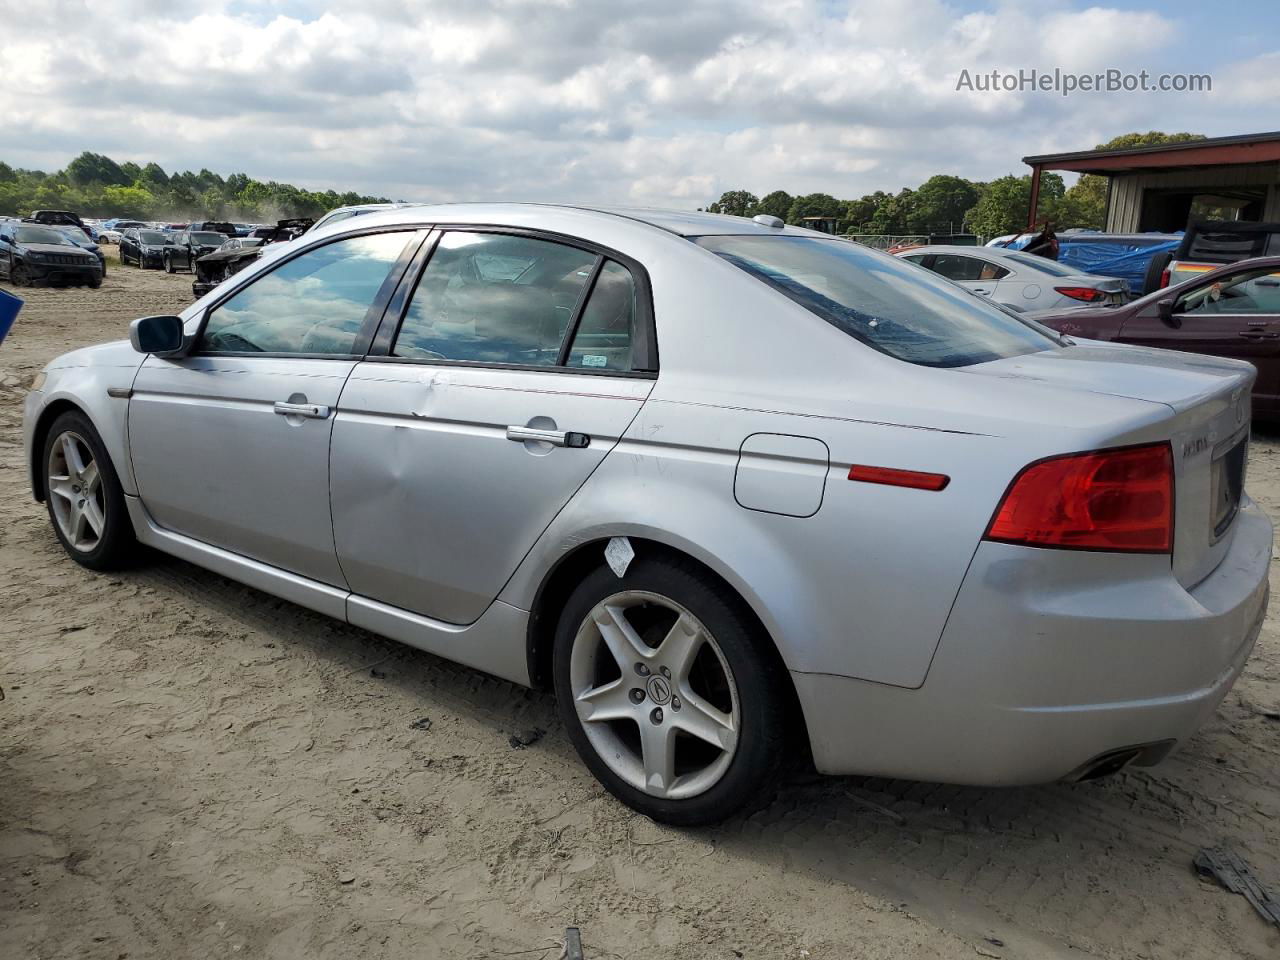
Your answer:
<point x="737" y="492"/>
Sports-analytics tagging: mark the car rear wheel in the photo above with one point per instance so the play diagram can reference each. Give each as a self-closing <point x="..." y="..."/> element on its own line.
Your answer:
<point x="84" y="496"/>
<point x="669" y="692"/>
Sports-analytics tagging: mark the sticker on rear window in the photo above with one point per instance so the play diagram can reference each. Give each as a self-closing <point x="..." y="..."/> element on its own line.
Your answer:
<point x="594" y="360"/>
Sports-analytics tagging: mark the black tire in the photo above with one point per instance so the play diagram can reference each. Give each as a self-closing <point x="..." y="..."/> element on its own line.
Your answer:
<point x="19" y="274"/>
<point x="757" y="673"/>
<point x="168" y="265"/>
<point x="1155" y="269"/>
<point x="96" y="282"/>
<point x="117" y="547"/>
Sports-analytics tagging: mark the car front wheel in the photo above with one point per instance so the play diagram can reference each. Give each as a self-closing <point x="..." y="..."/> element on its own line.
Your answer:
<point x="84" y="496"/>
<point x="669" y="691"/>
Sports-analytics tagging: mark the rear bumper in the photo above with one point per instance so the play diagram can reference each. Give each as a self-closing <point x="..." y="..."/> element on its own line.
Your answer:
<point x="1050" y="660"/>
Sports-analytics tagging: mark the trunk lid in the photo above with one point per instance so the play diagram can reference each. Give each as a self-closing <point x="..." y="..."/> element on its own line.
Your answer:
<point x="1207" y="425"/>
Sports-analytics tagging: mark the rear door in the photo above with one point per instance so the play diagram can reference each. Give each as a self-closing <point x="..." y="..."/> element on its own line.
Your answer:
<point x="974" y="273"/>
<point x="1237" y="315"/>
<point x="496" y="385"/>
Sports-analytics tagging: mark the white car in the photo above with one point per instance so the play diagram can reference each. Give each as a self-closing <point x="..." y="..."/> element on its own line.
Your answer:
<point x="1021" y="281"/>
<point x="736" y="491"/>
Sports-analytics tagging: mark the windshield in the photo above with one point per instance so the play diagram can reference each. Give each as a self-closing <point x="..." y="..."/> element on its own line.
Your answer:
<point x="1043" y="264"/>
<point x="208" y="238"/>
<point x="151" y="237"/>
<point x="41" y="235"/>
<point x="893" y="306"/>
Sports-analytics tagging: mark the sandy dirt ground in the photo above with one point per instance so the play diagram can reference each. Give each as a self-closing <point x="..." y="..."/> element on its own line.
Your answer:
<point x="191" y="768"/>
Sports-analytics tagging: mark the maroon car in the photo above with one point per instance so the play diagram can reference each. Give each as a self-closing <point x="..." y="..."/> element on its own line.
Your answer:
<point x="1233" y="311"/>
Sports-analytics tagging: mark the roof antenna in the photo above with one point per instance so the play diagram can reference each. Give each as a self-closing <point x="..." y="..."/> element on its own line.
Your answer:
<point x="767" y="221"/>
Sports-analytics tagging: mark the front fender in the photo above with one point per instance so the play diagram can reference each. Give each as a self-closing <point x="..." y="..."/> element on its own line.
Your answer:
<point x="81" y="379"/>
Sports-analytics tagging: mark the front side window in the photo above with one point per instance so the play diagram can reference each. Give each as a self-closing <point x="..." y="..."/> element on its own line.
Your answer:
<point x="1246" y="292"/>
<point x="494" y="298"/>
<point x="906" y="313"/>
<point x="315" y="303"/>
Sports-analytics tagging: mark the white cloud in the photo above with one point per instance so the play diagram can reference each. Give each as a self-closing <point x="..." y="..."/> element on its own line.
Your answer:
<point x="667" y="102"/>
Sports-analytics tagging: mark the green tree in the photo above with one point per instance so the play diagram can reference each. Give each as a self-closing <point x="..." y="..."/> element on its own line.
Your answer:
<point x="776" y="204"/>
<point x="940" y="203"/>
<point x="96" y="168"/>
<point x="154" y="173"/>
<point x="1005" y="202"/>
<point x="894" y="214"/>
<point x="814" y="205"/>
<point x="735" y="203"/>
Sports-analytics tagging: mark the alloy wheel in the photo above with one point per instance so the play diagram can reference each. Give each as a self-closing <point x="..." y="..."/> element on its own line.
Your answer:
<point x="75" y="492"/>
<point x="655" y="695"/>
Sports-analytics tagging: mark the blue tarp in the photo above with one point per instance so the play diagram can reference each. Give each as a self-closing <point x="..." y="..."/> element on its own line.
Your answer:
<point x="9" y="307"/>
<point x="1122" y="257"/>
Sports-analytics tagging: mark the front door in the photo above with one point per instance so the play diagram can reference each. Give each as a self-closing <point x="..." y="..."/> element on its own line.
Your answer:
<point x="519" y="363"/>
<point x="1237" y="315"/>
<point x="230" y="445"/>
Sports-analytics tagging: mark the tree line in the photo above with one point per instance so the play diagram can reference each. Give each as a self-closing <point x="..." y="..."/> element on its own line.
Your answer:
<point x="945" y="204"/>
<point x="94" y="185"/>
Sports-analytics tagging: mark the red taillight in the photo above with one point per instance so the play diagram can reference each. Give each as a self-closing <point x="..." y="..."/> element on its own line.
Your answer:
<point x="1164" y="278"/>
<point x="891" y="476"/>
<point x="1087" y="294"/>
<point x="1119" y="500"/>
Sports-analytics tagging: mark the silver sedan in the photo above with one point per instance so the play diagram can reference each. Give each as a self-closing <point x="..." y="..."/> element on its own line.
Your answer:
<point x="1021" y="281"/>
<point x="736" y="491"/>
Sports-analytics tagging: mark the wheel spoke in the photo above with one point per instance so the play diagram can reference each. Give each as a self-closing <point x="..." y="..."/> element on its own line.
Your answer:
<point x="657" y="744"/>
<point x="89" y="477"/>
<point x="681" y="645"/>
<point x="620" y="637"/>
<point x="700" y="719"/>
<point x="608" y="702"/>
<point x="93" y="516"/>
<point x="61" y="487"/>
<point x="71" y="453"/>
<point x="77" y="523"/>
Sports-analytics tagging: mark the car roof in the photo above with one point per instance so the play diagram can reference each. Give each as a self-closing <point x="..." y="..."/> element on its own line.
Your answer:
<point x="996" y="252"/>
<point x="683" y="223"/>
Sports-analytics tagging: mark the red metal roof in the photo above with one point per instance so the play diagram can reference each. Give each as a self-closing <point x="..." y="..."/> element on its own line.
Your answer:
<point x="1214" y="152"/>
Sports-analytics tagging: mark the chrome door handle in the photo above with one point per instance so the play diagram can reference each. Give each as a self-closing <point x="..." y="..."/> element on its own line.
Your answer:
<point x="312" y="411"/>
<point x="557" y="438"/>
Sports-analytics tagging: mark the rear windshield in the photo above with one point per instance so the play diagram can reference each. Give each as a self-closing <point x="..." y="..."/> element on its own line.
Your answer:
<point x="893" y="306"/>
<point x="1043" y="264"/>
<point x="1224" y="246"/>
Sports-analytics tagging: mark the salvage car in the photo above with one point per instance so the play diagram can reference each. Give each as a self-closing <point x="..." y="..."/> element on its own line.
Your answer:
<point x="736" y="491"/>
<point x="232" y="257"/>
<point x="144" y="248"/>
<point x="31" y="253"/>
<point x="1233" y="311"/>
<point x="59" y="218"/>
<point x="1209" y="244"/>
<point x="1020" y="281"/>
<point x="189" y="246"/>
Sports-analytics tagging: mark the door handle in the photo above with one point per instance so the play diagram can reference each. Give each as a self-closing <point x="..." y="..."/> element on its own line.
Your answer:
<point x="1259" y="335"/>
<point x="557" y="438"/>
<point x="312" y="411"/>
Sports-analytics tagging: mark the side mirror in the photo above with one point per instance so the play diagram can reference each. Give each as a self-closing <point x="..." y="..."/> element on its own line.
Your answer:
<point x="159" y="335"/>
<point x="1165" y="307"/>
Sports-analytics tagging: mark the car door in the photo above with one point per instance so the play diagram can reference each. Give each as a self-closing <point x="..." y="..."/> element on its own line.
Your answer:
<point x="492" y="392"/>
<point x="1235" y="315"/>
<point x="973" y="273"/>
<point x="230" y="443"/>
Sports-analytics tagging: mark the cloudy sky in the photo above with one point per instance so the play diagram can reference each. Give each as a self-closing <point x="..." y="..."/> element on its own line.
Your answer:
<point x="659" y="102"/>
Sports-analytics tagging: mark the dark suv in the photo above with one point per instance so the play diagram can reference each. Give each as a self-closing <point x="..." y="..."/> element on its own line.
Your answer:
<point x="59" y="218"/>
<point x="188" y="247"/>
<point x="143" y="247"/>
<point x="32" y="253"/>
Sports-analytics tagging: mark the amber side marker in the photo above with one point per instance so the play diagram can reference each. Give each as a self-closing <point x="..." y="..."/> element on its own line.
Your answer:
<point x="898" y="478"/>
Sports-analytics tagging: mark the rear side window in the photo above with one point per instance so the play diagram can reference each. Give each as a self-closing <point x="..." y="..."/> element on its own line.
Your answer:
<point x="889" y="305"/>
<point x="604" y="335"/>
<point x="315" y="303"/>
<point x="956" y="267"/>
<point x="508" y="299"/>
